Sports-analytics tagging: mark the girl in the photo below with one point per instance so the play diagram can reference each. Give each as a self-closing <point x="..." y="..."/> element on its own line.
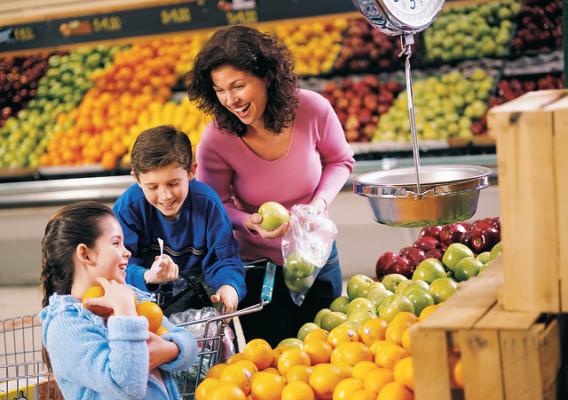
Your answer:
<point x="93" y="357"/>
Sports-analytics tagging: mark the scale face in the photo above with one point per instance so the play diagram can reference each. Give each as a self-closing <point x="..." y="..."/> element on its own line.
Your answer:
<point x="400" y="17"/>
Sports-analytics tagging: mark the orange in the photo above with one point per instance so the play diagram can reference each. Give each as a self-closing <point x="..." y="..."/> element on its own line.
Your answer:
<point x="162" y="330"/>
<point x="298" y="391"/>
<point x="271" y="370"/>
<point x="259" y="352"/>
<point x="390" y="355"/>
<point x="346" y="388"/>
<point x="372" y="330"/>
<point x="351" y="353"/>
<point x="362" y="368"/>
<point x="215" y="371"/>
<point x="276" y="355"/>
<point x="292" y="357"/>
<point x="205" y="388"/>
<point x="152" y="312"/>
<point x="236" y="374"/>
<point x="404" y="372"/>
<point x="379" y="344"/>
<point x="299" y="373"/>
<point x="342" y="333"/>
<point x="406" y="339"/>
<point x="324" y="379"/>
<point x="398" y="325"/>
<point x="227" y="392"/>
<point x="316" y="334"/>
<point x="248" y="365"/>
<point x="267" y="386"/>
<point x="235" y="358"/>
<point x="395" y="391"/>
<point x="93" y="292"/>
<point x="363" y="395"/>
<point x="457" y="375"/>
<point x="377" y="379"/>
<point x="345" y="369"/>
<point x="318" y="350"/>
<point x="426" y="311"/>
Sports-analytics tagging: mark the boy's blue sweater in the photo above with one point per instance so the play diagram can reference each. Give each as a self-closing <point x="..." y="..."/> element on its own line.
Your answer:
<point x="202" y="237"/>
<point x="94" y="361"/>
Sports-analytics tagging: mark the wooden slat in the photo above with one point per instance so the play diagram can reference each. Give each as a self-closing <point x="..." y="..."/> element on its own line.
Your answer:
<point x="430" y="359"/>
<point x="520" y="360"/>
<point x="481" y="364"/>
<point x="550" y="353"/>
<point x="499" y="319"/>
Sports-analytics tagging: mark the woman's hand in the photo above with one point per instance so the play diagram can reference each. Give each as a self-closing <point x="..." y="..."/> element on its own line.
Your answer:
<point x="161" y="351"/>
<point x="228" y="296"/>
<point x="162" y="271"/>
<point x="118" y="297"/>
<point x="253" y="224"/>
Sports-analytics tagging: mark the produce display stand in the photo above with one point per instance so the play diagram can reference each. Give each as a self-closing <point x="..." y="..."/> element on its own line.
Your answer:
<point x="505" y="354"/>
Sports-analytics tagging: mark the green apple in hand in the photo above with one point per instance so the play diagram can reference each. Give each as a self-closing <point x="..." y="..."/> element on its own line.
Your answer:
<point x="273" y="215"/>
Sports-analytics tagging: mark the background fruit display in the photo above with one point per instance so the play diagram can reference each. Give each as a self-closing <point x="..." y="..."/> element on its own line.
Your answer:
<point x="471" y="32"/>
<point x="539" y="26"/>
<point x="445" y="106"/>
<point x="25" y="137"/>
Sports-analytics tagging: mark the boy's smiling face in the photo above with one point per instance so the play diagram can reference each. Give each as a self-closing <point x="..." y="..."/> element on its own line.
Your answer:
<point x="166" y="188"/>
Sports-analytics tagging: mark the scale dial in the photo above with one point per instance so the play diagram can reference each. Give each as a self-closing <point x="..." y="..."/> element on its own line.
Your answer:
<point x="400" y="17"/>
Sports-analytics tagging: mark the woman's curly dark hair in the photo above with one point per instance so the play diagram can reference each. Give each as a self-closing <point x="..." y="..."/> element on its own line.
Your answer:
<point x="257" y="53"/>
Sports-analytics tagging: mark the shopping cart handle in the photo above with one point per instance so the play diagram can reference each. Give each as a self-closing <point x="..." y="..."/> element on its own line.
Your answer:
<point x="268" y="283"/>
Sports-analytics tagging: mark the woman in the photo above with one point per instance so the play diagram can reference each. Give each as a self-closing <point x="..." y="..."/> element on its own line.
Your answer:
<point x="269" y="141"/>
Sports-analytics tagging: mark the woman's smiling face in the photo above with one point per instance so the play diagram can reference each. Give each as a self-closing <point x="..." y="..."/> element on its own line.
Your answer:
<point x="242" y="93"/>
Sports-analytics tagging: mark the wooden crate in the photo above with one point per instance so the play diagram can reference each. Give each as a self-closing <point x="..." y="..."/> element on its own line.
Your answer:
<point x="506" y="355"/>
<point x="532" y="142"/>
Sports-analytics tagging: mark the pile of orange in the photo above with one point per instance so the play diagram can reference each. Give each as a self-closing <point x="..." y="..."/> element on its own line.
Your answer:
<point x="371" y="362"/>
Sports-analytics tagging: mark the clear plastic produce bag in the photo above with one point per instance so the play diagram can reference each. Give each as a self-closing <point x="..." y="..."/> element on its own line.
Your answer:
<point x="306" y="248"/>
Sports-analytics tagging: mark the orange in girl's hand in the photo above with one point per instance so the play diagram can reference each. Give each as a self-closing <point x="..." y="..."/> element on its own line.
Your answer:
<point x="162" y="330"/>
<point x="153" y="314"/>
<point x="94" y="292"/>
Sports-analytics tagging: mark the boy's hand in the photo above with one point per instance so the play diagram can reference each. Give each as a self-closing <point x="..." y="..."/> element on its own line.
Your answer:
<point x="253" y="224"/>
<point x="228" y="296"/>
<point x="164" y="270"/>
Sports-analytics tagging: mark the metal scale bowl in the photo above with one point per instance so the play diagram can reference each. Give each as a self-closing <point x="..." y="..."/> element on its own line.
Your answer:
<point x="418" y="196"/>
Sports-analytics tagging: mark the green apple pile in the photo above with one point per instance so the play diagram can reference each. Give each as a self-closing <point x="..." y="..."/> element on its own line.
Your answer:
<point x="445" y="106"/>
<point x="482" y="30"/>
<point x="24" y="137"/>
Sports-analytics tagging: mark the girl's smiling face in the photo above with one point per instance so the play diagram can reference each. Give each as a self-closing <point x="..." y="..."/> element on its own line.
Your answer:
<point x="109" y="256"/>
<point x="242" y="93"/>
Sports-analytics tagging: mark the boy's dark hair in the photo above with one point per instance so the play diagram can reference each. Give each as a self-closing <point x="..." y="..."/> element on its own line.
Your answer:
<point x="257" y="53"/>
<point x="159" y="147"/>
<point x="72" y="225"/>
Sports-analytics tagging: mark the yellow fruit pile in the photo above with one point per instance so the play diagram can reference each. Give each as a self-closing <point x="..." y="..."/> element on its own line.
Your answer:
<point x="315" y="46"/>
<point x="369" y="362"/>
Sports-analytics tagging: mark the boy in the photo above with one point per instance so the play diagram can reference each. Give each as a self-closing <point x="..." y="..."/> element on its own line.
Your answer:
<point x="167" y="203"/>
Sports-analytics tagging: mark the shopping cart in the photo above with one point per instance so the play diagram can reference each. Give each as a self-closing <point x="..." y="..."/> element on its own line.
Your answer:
<point x="24" y="375"/>
<point x="210" y="345"/>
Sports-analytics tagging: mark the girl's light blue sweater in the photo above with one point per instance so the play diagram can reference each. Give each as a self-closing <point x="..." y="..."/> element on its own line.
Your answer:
<point x="91" y="360"/>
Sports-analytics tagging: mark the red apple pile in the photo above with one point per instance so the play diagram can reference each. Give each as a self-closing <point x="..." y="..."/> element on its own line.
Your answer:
<point x="366" y="48"/>
<point x="539" y="26"/>
<point x="18" y="82"/>
<point x="509" y="89"/>
<point x="432" y="242"/>
<point x="359" y="104"/>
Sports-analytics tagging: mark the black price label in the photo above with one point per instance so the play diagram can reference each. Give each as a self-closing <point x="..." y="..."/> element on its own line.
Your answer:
<point x="107" y="24"/>
<point x="242" y="17"/>
<point x="24" y="34"/>
<point x="178" y="15"/>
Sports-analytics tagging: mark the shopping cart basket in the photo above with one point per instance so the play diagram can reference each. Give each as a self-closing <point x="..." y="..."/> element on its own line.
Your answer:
<point x="211" y="344"/>
<point x="23" y="375"/>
